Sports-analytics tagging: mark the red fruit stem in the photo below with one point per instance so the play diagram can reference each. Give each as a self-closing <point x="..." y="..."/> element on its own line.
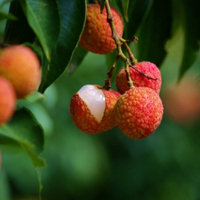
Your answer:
<point x="131" y="56"/>
<point x="107" y="85"/>
<point x="119" y="41"/>
<point x="143" y="74"/>
<point x="130" y="82"/>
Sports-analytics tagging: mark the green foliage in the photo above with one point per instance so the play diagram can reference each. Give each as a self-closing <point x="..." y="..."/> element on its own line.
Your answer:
<point x="52" y="28"/>
<point x="155" y="32"/>
<point x="72" y="14"/>
<point x="191" y="32"/>
<point x="125" y="5"/>
<point x="43" y="18"/>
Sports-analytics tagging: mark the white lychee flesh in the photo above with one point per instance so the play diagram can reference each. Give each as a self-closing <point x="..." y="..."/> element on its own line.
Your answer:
<point x="94" y="98"/>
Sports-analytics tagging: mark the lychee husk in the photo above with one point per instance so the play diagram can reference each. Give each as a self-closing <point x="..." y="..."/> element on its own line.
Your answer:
<point x="97" y="34"/>
<point x="148" y="68"/>
<point x="20" y="65"/>
<point x="139" y="112"/>
<point x="7" y="101"/>
<point x="83" y="116"/>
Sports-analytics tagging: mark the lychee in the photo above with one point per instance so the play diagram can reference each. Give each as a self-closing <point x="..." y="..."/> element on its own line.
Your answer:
<point x="7" y="101"/>
<point x="20" y="65"/>
<point x="182" y="101"/>
<point x="139" y="112"/>
<point x="91" y="109"/>
<point x="149" y="69"/>
<point x="97" y="34"/>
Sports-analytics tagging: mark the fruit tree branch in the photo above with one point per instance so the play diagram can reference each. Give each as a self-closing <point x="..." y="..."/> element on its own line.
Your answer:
<point x="118" y="44"/>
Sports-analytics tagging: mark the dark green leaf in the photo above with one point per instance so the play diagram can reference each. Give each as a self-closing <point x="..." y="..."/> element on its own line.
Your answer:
<point x="4" y="15"/>
<point x="43" y="17"/>
<point x="191" y="32"/>
<point x="154" y="33"/>
<point x="18" y="31"/>
<point x="102" y="3"/>
<point x="125" y="5"/>
<point x="7" y="140"/>
<point x="72" y="14"/>
<point x="137" y="13"/>
<point x="27" y="132"/>
<point x="77" y="59"/>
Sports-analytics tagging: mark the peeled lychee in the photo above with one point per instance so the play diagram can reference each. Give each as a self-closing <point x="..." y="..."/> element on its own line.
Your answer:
<point x="97" y="34"/>
<point x="148" y="68"/>
<point x="139" y="112"/>
<point x="20" y="65"/>
<point x="91" y="109"/>
<point x="7" y="101"/>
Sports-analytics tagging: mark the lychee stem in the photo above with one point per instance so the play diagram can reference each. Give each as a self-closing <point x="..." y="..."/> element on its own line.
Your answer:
<point x="130" y="82"/>
<point x="131" y="56"/>
<point x="119" y="42"/>
<point x="143" y="74"/>
<point x="107" y="85"/>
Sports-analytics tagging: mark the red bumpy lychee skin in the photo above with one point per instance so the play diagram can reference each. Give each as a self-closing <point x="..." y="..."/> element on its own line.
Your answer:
<point x="97" y="34"/>
<point x="139" y="112"/>
<point x="7" y="101"/>
<point x="86" y="121"/>
<point x="20" y="65"/>
<point x="148" y="68"/>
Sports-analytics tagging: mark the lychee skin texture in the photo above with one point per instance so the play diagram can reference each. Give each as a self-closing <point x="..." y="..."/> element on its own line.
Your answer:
<point x="85" y="121"/>
<point x="97" y="34"/>
<point x="139" y="80"/>
<point x="7" y="101"/>
<point x="20" y="65"/>
<point x="139" y="112"/>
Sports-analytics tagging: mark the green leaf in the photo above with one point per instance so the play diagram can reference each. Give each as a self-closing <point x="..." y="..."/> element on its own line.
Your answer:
<point x="43" y="17"/>
<point x="4" y="2"/>
<point x="72" y="13"/>
<point x="125" y="5"/>
<point x="5" y="193"/>
<point x="137" y="13"/>
<point x="8" y="141"/>
<point x="27" y="132"/>
<point x="77" y="59"/>
<point x="101" y="3"/>
<point x="191" y="16"/>
<point x="4" y="15"/>
<point x="34" y="97"/>
<point x="154" y="33"/>
<point x="17" y="32"/>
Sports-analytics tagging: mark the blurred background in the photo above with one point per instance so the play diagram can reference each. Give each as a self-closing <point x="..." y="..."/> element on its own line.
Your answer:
<point x="164" y="166"/>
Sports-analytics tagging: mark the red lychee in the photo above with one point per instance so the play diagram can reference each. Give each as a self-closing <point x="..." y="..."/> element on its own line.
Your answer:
<point x="91" y="109"/>
<point x="148" y="68"/>
<point x="7" y="101"/>
<point x="20" y="65"/>
<point x="182" y="101"/>
<point x="97" y="34"/>
<point x="139" y="112"/>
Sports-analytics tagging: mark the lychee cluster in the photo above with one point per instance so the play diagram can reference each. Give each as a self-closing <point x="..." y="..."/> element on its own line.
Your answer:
<point x="136" y="108"/>
<point x="137" y="111"/>
<point x="20" y="75"/>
